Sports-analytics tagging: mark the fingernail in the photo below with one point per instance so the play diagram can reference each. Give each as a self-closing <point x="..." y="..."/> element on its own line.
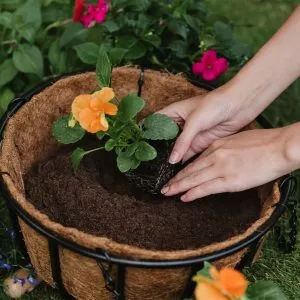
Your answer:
<point x="174" y="158"/>
<point x="164" y="190"/>
<point x="183" y="198"/>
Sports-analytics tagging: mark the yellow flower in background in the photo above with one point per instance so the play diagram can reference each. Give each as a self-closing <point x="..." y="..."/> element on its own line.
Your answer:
<point x="90" y="110"/>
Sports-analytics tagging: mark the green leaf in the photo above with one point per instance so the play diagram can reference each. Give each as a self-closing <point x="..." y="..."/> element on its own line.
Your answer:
<point x="138" y="50"/>
<point x="27" y="19"/>
<point x="76" y="158"/>
<point x="111" y="26"/>
<point x="30" y="13"/>
<point x="126" y="41"/>
<point x="140" y="5"/>
<point x="116" y="55"/>
<point x="125" y="163"/>
<point x="57" y="58"/>
<point x="28" y="59"/>
<point x="11" y="2"/>
<point x="130" y="106"/>
<point x="130" y="150"/>
<point x="178" y="27"/>
<point x="264" y="290"/>
<point x="223" y="31"/>
<point x="75" y="33"/>
<point x="205" y="270"/>
<point x="109" y="145"/>
<point x="100" y="134"/>
<point x="8" y="72"/>
<point x="238" y="50"/>
<point x="136" y="164"/>
<point x="194" y="22"/>
<point x="153" y="39"/>
<point x="209" y="40"/>
<point x="159" y="127"/>
<point x="65" y="134"/>
<point x="88" y="52"/>
<point x="180" y="48"/>
<point x="145" y="151"/>
<point x="6" y="19"/>
<point x="27" y="32"/>
<point x="200" y="7"/>
<point x="103" y="69"/>
<point x="6" y="95"/>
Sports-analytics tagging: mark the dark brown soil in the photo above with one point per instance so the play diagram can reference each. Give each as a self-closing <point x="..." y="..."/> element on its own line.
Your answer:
<point x="100" y="200"/>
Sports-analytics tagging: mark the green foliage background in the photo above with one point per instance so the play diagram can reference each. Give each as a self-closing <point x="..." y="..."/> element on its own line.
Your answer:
<point x="38" y="39"/>
<point x="66" y="47"/>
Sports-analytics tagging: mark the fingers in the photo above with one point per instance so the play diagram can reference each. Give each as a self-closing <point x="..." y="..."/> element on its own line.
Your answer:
<point x="201" y="141"/>
<point x="188" y="155"/>
<point x="211" y="187"/>
<point x="183" y="142"/>
<point x="189" y="182"/>
<point x="193" y="168"/>
<point x="169" y="111"/>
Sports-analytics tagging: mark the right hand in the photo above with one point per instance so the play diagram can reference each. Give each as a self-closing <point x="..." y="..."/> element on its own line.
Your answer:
<point x="207" y="119"/>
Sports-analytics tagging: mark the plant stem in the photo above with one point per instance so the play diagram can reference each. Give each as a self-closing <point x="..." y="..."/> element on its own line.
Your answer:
<point x="94" y="150"/>
<point x="9" y="42"/>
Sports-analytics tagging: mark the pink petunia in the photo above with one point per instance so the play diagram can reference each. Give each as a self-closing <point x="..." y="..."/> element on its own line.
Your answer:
<point x="210" y="67"/>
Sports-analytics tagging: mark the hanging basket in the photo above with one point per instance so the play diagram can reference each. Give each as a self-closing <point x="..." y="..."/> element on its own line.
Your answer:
<point x="94" y="267"/>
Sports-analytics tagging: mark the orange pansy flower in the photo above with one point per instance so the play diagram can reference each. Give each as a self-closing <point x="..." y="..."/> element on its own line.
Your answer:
<point x="224" y="285"/>
<point x="231" y="281"/>
<point x="207" y="291"/>
<point x="90" y="110"/>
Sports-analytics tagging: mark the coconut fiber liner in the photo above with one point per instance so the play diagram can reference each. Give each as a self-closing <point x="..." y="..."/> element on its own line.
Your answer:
<point x="28" y="139"/>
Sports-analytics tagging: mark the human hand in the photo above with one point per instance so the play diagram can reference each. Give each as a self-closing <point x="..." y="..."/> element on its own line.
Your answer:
<point x="207" y="119"/>
<point x="235" y="163"/>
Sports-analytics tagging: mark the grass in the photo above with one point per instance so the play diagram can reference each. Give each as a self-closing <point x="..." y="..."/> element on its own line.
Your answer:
<point x="255" y="22"/>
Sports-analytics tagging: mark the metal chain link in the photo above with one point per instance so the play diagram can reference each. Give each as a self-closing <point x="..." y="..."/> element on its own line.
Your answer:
<point x="106" y="272"/>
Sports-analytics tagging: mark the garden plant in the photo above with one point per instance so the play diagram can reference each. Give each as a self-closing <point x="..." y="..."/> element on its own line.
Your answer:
<point x="44" y="39"/>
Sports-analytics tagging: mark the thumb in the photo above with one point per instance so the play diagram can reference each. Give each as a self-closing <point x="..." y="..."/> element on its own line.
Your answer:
<point x="183" y="142"/>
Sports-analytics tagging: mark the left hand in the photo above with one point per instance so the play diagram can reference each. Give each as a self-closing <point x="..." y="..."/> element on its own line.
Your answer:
<point x="235" y="163"/>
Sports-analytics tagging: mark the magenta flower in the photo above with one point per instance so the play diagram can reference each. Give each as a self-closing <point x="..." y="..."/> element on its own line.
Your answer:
<point x="96" y="13"/>
<point x="210" y="66"/>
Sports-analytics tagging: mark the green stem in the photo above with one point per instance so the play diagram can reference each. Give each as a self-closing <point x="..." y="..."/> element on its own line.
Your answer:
<point x="9" y="42"/>
<point x="94" y="150"/>
<point x="57" y="24"/>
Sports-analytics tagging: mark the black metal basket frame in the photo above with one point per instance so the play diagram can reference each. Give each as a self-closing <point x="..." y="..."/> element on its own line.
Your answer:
<point x="117" y="286"/>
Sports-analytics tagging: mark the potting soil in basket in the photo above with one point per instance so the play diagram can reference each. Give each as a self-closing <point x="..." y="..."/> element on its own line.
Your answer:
<point x="100" y="200"/>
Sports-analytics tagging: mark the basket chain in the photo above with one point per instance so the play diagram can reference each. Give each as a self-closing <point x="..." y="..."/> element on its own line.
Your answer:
<point x="106" y="272"/>
<point x="288" y="243"/>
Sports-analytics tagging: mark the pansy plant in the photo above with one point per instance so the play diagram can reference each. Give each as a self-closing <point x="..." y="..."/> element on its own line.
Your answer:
<point x="230" y="284"/>
<point x="114" y="122"/>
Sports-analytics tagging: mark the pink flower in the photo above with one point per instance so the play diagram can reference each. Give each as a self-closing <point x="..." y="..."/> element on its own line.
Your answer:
<point x="88" y="20"/>
<point x="95" y="13"/>
<point x="210" y="67"/>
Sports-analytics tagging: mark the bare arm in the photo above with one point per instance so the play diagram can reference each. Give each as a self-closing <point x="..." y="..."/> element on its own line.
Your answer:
<point x="244" y="160"/>
<point x="229" y="108"/>
<point x="272" y="70"/>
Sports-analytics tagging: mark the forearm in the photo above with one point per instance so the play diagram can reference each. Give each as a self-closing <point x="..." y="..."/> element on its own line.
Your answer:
<point x="271" y="71"/>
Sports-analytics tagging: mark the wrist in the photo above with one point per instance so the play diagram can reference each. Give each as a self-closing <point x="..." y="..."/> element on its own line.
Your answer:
<point x="250" y="96"/>
<point x="291" y="146"/>
<point x="241" y="103"/>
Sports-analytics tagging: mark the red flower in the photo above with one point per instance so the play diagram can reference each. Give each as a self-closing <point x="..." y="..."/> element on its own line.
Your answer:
<point x="210" y="67"/>
<point x="78" y="10"/>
